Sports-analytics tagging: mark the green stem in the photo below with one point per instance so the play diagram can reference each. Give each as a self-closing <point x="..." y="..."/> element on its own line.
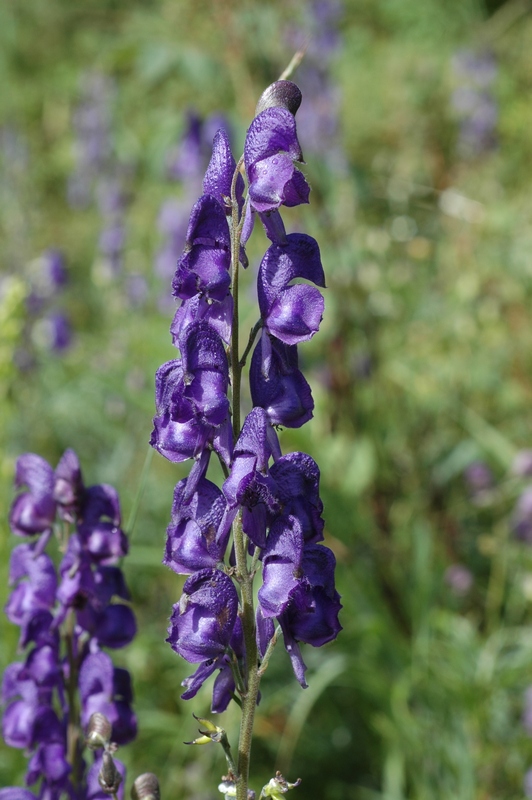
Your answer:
<point x="249" y="698"/>
<point x="252" y="335"/>
<point x="73" y="729"/>
<point x="269" y="651"/>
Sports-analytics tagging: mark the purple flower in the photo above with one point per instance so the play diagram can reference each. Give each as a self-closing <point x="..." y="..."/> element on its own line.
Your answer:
<point x="297" y="478"/>
<point x="193" y="541"/>
<point x="107" y="689"/>
<point x="204" y="266"/>
<point x="35" y="584"/>
<point x="291" y="313"/>
<point x="522" y="464"/>
<point x="281" y="571"/>
<point x="191" y="398"/>
<point x="279" y="387"/>
<point x="202" y="622"/>
<point x="249" y="484"/>
<point x="68" y="485"/>
<point x="33" y="511"/>
<point x="270" y="149"/>
<point x="219" y="175"/>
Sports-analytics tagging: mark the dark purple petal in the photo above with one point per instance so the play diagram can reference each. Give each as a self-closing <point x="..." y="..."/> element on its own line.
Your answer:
<point x="100" y="503"/>
<point x="15" y="793"/>
<point x="203" y="270"/>
<point x="193" y="541"/>
<point x="35" y="473"/>
<point x="219" y="175"/>
<point x="208" y="225"/>
<point x="219" y="315"/>
<point x="273" y="226"/>
<point x="114" y="627"/>
<point x="280" y="389"/>
<point x="265" y="630"/>
<point x="268" y="179"/>
<point x="282" y="571"/>
<point x="223" y="689"/>
<point x="104" y="541"/>
<point x="194" y="682"/>
<point x="68" y="481"/>
<point x="18" y="722"/>
<point x="292" y="648"/>
<point x="298" y="258"/>
<point x="202" y="623"/>
<point x="297" y="478"/>
<point x="42" y="667"/>
<point x="49" y="761"/>
<point x="272" y="131"/>
<point x="38" y="591"/>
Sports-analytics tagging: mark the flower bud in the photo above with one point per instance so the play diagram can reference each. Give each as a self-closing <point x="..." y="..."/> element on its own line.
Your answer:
<point x="109" y="777"/>
<point x="146" y="787"/>
<point x="278" y="786"/>
<point x="283" y="94"/>
<point x="98" y="731"/>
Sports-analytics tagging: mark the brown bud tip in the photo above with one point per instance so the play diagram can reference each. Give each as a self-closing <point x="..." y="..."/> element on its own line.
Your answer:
<point x="146" y="787"/>
<point x="285" y="94"/>
<point x="109" y="777"/>
<point x="99" y="731"/>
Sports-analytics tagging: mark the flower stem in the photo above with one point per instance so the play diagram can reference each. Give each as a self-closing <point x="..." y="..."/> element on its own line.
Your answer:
<point x="249" y="698"/>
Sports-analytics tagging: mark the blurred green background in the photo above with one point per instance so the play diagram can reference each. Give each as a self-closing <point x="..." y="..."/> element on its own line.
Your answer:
<point x="416" y="127"/>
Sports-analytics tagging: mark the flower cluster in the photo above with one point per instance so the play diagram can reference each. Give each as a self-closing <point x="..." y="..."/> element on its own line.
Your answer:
<point x="269" y="501"/>
<point x="66" y="616"/>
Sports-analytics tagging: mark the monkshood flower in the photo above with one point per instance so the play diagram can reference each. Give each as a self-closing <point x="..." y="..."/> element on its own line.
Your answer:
<point x="87" y="593"/>
<point x="267" y="515"/>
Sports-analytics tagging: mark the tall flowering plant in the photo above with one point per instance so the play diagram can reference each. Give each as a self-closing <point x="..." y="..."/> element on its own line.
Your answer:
<point x="68" y="618"/>
<point x="266" y="518"/>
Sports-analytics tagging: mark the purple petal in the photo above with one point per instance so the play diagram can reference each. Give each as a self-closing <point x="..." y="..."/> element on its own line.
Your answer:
<point x="219" y="175"/>
<point x="271" y="132"/>
<point x="281" y="389"/>
<point x="281" y="566"/>
<point x="202" y="623"/>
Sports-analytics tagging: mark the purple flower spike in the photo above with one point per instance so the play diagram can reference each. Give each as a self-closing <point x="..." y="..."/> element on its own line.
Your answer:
<point x="192" y="540"/>
<point x="219" y="175"/>
<point x="202" y="622"/>
<point x="292" y="313"/>
<point x="34" y="511"/>
<point x="281" y="389"/>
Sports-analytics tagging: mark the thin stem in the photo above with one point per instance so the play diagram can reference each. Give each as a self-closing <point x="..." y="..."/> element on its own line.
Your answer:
<point x="73" y="729"/>
<point x="296" y="60"/>
<point x="249" y="697"/>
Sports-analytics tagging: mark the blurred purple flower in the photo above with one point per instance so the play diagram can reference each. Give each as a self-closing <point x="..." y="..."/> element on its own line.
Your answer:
<point x="459" y="579"/>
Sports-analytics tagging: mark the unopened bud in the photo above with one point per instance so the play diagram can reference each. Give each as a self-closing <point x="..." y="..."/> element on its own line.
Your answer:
<point x="109" y="777"/>
<point x="212" y="732"/>
<point x="278" y="786"/>
<point x="283" y="94"/>
<point x="146" y="787"/>
<point x="99" y="731"/>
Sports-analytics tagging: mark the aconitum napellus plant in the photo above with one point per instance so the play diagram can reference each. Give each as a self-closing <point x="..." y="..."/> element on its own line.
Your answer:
<point x="69" y="617"/>
<point x="266" y="518"/>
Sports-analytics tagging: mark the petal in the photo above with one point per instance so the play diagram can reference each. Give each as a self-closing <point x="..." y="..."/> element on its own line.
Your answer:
<point x="219" y="174"/>
<point x="272" y="131"/>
